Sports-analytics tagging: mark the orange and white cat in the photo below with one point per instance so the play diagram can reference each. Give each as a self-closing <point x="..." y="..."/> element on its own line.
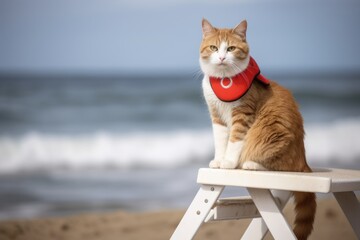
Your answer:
<point x="259" y="129"/>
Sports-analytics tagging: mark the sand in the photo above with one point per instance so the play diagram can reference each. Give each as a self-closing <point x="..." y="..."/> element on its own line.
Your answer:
<point x="330" y="223"/>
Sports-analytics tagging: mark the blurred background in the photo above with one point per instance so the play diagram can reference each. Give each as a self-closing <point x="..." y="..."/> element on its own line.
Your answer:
<point x="101" y="105"/>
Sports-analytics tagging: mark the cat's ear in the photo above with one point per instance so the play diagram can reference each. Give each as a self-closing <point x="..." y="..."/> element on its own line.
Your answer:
<point x="241" y="29"/>
<point x="207" y="28"/>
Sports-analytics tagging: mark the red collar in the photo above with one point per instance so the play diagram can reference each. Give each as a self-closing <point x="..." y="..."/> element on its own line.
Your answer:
<point x="230" y="89"/>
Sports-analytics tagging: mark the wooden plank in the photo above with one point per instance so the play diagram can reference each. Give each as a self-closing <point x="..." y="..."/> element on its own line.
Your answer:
<point x="323" y="180"/>
<point x="289" y="181"/>
<point x="235" y="208"/>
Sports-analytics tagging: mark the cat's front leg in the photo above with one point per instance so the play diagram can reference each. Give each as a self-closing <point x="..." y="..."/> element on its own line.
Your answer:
<point x="221" y="137"/>
<point x="232" y="155"/>
<point x="236" y="142"/>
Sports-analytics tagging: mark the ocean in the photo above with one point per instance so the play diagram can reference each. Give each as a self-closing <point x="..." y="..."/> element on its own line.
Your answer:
<point x="80" y="143"/>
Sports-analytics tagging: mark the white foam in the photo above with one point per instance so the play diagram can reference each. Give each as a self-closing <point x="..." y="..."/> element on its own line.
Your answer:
<point x="36" y="151"/>
<point x="337" y="141"/>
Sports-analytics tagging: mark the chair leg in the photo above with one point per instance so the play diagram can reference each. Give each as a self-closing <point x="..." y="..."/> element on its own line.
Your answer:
<point x="257" y="228"/>
<point x="351" y="207"/>
<point x="271" y="214"/>
<point x="197" y="211"/>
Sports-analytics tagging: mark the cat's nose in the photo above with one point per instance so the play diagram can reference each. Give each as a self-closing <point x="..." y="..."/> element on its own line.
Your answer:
<point x="222" y="59"/>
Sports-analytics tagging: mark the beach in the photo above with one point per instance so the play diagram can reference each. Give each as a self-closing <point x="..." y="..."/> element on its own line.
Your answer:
<point x="330" y="223"/>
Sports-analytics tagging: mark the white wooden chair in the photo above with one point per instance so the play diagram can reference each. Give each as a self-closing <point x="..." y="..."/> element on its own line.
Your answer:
<point x="269" y="192"/>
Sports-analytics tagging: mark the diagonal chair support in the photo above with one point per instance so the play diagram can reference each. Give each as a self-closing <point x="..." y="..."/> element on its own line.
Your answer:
<point x="258" y="228"/>
<point x="351" y="207"/>
<point x="271" y="214"/>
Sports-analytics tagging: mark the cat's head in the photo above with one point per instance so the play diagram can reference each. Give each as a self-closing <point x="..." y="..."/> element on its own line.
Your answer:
<point x="224" y="52"/>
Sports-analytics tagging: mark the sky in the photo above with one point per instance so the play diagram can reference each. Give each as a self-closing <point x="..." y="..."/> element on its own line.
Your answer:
<point x="163" y="35"/>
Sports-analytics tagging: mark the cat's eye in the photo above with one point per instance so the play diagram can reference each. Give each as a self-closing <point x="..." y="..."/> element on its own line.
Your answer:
<point x="213" y="48"/>
<point x="230" y="49"/>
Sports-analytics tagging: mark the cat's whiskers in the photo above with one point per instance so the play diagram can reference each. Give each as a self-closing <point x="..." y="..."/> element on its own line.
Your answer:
<point x="237" y="69"/>
<point x="197" y="74"/>
<point x="240" y="71"/>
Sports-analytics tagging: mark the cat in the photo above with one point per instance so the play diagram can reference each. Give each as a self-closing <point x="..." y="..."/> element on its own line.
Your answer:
<point x="256" y="123"/>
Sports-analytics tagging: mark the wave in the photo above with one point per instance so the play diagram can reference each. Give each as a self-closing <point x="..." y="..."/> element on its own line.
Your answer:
<point x="325" y="143"/>
<point x="36" y="151"/>
<point x="336" y="142"/>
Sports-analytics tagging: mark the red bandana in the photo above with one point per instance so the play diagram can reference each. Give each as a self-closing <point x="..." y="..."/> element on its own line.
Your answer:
<point x="233" y="88"/>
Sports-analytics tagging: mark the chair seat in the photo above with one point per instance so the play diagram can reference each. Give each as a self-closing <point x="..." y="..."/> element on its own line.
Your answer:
<point x="321" y="180"/>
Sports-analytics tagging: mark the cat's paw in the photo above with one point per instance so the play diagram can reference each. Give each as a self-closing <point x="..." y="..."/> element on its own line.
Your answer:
<point x="228" y="164"/>
<point x="250" y="165"/>
<point x="214" y="164"/>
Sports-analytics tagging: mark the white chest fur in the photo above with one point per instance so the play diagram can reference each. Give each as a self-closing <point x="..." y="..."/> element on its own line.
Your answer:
<point x="227" y="153"/>
<point x="224" y="109"/>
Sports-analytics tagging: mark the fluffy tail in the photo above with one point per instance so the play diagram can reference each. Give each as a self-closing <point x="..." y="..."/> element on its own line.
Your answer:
<point x="305" y="208"/>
